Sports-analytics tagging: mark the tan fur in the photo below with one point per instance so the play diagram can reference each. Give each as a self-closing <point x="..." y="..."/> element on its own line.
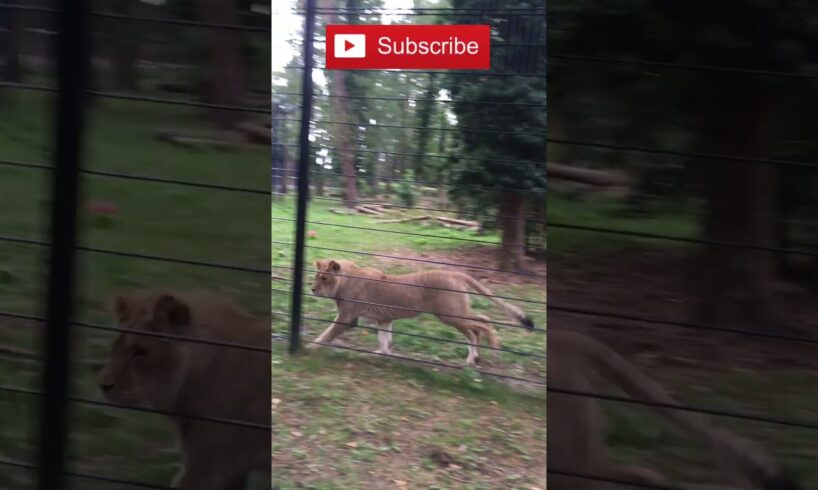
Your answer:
<point x="575" y="428"/>
<point x="360" y="292"/>
<point x="197" y="379"/>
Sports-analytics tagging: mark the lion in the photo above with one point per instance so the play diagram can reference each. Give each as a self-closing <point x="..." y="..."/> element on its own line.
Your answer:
<point x="574" y="422"/>
<point x="205" y="384"/>
<point x="381" y="298"/>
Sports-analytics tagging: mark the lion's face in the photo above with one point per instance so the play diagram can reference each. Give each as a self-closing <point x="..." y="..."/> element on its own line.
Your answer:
<point x="326" y="281"/>
<point x="147" y="369"/>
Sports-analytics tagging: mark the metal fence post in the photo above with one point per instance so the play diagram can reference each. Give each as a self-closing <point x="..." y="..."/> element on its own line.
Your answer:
<point x="303" y="179"/>
<point x="71" y="70"/>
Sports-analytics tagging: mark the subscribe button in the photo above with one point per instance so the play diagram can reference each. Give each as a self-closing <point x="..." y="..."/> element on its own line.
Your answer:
<point x="420" y="47"/>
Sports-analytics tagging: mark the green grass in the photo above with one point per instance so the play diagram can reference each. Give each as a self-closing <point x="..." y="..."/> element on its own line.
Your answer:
<point x="609" y="213"/>
<point x="154" y="219"/>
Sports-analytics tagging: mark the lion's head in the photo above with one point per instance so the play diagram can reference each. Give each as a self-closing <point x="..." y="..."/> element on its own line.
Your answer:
<point x="144" y="367"/>
<point x="326" y="281"/>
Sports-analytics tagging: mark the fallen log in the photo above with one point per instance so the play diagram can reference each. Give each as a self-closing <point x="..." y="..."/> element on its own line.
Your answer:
<point x="461" y="222"/>
<point x="368" y="210"/>
<point x="590" y="176"/>
<point x="405" y="220"/>
<point x="256" y="133"/>
<point x="194" y="142"/>
<point x="341" y="211"/>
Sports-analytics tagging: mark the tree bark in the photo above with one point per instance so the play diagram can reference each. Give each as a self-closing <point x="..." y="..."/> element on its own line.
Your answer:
<point x="125" y="48"/>
<point x="512" y="246"/>
<point x="734" y="287"/>
<point x="224" y="70"/>
<point x="343" y="132"/>
<point x="12" y="45"/>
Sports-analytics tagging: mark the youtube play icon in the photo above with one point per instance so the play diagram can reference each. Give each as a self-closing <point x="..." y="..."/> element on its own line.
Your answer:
<point x="350" y="45"/>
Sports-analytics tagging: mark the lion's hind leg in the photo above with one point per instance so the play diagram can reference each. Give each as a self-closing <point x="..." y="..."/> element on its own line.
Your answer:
<point x="468" y="328"/>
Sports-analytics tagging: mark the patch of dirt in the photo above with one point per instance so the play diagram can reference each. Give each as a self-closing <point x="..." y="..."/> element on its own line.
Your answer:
<point x="654" y="284"/>
<point x="364" y="425"/>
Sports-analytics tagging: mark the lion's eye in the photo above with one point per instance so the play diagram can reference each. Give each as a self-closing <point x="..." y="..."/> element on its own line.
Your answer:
<point x="325" y="278"/>
<point x="139" y="351"/>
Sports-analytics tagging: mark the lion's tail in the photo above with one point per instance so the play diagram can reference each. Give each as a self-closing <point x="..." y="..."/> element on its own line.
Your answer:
<point x="513" y="312"/>
<point x="740" y="454"/>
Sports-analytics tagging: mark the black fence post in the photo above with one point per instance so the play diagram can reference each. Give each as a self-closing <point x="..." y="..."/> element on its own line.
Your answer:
<point x="303" y="179"/>
<point x="71" y="71"/>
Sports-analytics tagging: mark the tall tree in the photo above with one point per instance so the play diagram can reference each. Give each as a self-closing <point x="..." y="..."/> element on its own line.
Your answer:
<point x="224" y="80"/>
<point x="425" y="113"/>
<point x="11" y="21"/>
<point x="726" y="113"/>
<point x="502" y="119"/>
<point x="341" y="111"/>
<point x="125" y="46"/>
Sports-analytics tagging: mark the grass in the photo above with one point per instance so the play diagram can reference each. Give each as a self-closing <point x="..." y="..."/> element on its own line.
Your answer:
<point x="608" y="213"/>
<point x="378" y="424"/>
<point x="153" y="219"/>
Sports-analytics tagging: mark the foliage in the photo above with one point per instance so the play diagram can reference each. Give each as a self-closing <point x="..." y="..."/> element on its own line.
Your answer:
<point x="406" y="189"/>
<point x="502" y="118"/>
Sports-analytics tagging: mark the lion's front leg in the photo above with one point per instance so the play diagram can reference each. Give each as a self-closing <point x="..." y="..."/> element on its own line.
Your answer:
<point x="338" y="326"/>
<point x="384" y="338"/>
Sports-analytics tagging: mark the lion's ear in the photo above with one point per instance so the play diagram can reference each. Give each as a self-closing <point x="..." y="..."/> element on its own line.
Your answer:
<point x="334" y="266"/>
<point x="170" y="313"/>
<point x="121" y="307"/>
<point x="319" y="264"/>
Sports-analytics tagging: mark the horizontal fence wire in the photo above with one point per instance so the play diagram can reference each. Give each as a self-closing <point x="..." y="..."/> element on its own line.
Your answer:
<point x="679" y="66"/>
<point x="139" y="18"/>
<point x="424" y="182"/>
<point x="405" y="233"/>
<point x="437" y="364"/>
<point x="415" y="100"/>
<point x="85" y="476"/>
<point x="685" y="154"/>
<point x="137" y="408"/>
<point x="160" y="335"/>
<point x="474" y="73"/>
<point x="680" y="324"/>
<point x="424" y="155"/>
<point x="616" y="481"/>
<point x="141" y="98"/>
<point x="380" y="305"/>
<point x="422" y="208"/>
<point x="427" y="261"/>
<point x="430" y="128"/>
<point x="696" y="241"/>
<point x="136" y="255"/>
<point x="415" y="335"/>
<point x="374" y="279"/>
<point x="685" y="408"/>
<point x="142" y="178"/>
<point x="614" y="147"/>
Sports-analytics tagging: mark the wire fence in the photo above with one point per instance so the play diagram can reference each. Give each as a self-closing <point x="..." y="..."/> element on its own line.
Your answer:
<point x="53" y="468"/>
<point x="314" y="148"/>
<point x="58" y="354"/>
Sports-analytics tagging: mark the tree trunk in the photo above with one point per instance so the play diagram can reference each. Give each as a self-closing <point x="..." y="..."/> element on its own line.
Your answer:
<point x="11" y="45"/>
<point x="125" y="48"/>
<point x="340" y="110"/>
<point x="224" y="69"/>
<point x="734" y="287"/>
<point x="512" y="247"/>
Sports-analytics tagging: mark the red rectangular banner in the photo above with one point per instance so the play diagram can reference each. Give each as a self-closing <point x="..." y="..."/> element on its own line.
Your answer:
<point x="412" y="47"/>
